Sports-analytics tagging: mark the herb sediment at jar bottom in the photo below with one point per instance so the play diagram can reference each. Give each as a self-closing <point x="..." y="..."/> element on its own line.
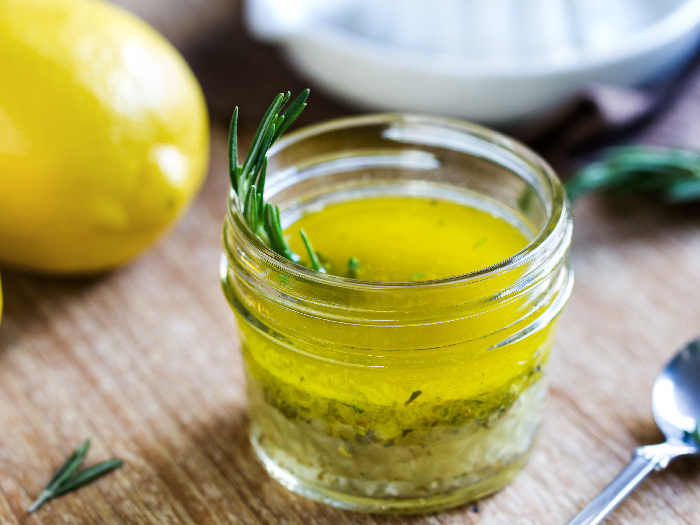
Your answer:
<point x="446" y="444"/>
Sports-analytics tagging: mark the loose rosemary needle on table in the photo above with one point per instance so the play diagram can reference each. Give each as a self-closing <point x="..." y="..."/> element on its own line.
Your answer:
<point x="248" y="179"/>
<point x="68" y="478"/>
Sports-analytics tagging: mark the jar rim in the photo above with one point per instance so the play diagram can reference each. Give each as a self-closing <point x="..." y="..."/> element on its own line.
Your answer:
<point x="557" y="226"/>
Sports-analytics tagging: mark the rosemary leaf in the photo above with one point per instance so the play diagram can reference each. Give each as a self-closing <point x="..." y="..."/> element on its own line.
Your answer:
<point x="672" y="174"/>
<point x="234" y="172"/>
<point x="267" y="122"/>
<point x="315" y="263"/>
<point x="262" y="176"/>
<point x="88" y="475"/>
<point x="291" y="113"/>
<point x="67" y="478"/>
<point x="275" y="235"/>
<point x="260" y="159"/>
<point x="250" y="209"/>
<point x="68" y="468"/>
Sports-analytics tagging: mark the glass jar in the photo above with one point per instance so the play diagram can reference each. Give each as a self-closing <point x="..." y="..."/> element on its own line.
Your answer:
<point x="399" y="396"/>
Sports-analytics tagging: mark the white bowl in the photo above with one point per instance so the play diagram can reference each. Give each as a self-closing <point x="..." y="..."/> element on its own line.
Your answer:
<point x="494" y="61"/>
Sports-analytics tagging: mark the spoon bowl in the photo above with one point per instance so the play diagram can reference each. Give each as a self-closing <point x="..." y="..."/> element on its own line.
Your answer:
<point x="676" y="394"/>
<point x="676" y="408"/>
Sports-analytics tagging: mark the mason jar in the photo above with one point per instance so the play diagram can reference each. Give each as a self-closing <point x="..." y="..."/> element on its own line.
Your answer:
<point x="399" y="396"/>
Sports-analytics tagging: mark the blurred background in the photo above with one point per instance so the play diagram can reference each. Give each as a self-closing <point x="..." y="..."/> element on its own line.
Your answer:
<point x="233" y="68"/>
<point x="145" y="358"/>
<point x="558" y="74"/>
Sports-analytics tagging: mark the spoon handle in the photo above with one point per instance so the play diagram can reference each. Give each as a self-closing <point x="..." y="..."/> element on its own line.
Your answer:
<point x="644" y="460"/>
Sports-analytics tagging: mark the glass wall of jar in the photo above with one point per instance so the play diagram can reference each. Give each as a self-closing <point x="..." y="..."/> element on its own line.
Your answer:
<point x="399" y="396"/>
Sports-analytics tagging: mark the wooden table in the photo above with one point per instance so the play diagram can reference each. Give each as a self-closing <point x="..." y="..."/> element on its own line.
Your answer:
<point x="145" y="360"/>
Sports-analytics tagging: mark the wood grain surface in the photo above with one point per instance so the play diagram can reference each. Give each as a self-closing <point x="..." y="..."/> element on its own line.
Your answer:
<point x="146" y="361"/>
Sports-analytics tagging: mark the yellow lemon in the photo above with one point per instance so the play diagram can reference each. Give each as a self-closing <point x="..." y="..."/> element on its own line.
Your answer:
<point x="104" y="135"/>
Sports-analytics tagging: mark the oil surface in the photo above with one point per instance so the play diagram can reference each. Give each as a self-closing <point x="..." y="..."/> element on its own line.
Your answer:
<point x="398" y="239"/>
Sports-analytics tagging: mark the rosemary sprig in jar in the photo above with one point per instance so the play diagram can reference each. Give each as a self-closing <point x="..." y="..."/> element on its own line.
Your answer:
<point x="248" y="179"/>
<point x="672" y="174"/>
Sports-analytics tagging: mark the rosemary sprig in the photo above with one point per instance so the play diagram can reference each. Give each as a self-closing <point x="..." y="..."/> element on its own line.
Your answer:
<point x="672" y="174"/>
<point x="67" y="478"/>
<point x="248" y="179"/>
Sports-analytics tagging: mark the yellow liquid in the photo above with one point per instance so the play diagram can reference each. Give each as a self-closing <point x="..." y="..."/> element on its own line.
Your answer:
<point x="399" y="239"/>
<point x="418" y="401"/>
<point x="405" y="238"/>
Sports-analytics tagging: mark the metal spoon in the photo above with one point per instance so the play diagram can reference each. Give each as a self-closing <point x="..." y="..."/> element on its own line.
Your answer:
<point x="676" y="405"/>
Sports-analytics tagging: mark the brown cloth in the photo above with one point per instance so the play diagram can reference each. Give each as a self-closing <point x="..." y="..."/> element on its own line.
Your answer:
<point x="666" y="114"/>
